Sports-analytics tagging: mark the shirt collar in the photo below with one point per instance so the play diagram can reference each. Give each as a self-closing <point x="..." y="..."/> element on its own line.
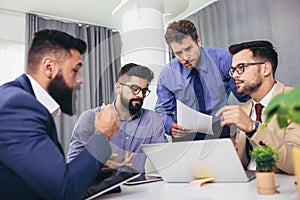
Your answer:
<point x="265" y="101"/>
<point x="201" y="65"/>
<point x="44" y="97"/>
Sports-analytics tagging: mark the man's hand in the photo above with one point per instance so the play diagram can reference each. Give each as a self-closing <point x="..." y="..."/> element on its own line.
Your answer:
<point x="178" y="131"/>
<point x="237" y="116"/>
<point x="107" y="121"/>
<point x="113" y="163"/>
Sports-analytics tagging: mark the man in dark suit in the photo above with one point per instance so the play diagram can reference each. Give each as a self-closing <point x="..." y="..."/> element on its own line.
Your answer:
<point x="32" y="163"/>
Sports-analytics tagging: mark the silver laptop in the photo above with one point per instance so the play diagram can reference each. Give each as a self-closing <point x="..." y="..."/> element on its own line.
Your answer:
<point x="187" y="161"/>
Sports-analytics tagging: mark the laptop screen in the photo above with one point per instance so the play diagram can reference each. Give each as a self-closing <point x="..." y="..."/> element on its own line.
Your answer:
<point x="187" y="161"/>
<point x="109" y="180"/>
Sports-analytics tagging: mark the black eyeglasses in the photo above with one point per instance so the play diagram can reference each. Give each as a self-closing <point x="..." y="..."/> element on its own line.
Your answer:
<point x="136" y="89"/>
<point x="240" y="68"/>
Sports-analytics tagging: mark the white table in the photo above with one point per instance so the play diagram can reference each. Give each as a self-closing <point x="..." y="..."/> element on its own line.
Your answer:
<point x="211" y="191"/>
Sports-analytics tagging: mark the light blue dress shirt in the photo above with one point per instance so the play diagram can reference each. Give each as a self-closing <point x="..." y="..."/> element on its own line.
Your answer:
<point x="144" y="127"/>
<point x="175" y="83"/>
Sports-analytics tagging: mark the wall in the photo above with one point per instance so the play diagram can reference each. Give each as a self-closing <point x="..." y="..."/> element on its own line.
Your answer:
<point x="12" y="48"/>
<point x="12" y="26"/>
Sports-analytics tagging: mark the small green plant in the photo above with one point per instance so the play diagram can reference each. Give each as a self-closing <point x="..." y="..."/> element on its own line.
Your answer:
<point x="265" y="158"/>
<point x="286" y="106"/>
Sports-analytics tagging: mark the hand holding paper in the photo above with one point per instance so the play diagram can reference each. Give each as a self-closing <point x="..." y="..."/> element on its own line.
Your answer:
<point x="193" y="120"/>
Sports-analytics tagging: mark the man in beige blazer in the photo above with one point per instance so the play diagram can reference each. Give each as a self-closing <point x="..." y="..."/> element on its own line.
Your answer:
<point x="254" y="66"/>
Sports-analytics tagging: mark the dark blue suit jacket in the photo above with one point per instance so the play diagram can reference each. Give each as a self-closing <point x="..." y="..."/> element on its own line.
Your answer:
<point x="32" y="164"/>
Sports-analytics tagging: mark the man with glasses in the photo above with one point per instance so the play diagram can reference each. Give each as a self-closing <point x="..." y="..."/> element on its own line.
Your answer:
<point x="137" y="125"/>
<point x="253" y="68"/>
<point x="198" y="77"/>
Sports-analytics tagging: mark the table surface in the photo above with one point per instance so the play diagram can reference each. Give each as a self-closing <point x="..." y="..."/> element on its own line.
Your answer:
<point x="211" y="191"/>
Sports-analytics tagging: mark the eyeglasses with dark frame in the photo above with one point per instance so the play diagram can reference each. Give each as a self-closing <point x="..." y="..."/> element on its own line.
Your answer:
<point x="136" y="89"/>
<point x="240" y="68"/>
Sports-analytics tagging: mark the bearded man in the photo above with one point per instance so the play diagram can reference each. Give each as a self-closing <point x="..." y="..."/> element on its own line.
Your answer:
<point x="137" y="125"/>
<point x="254" y="64"/>
<point x="32" y="163"/>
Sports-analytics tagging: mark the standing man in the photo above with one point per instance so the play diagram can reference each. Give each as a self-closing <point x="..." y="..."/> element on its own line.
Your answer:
<point x="32" y="163"/>
<point x="254" y="66"/>
<point x="137" y="125"/>
<point x="197" y="76"/>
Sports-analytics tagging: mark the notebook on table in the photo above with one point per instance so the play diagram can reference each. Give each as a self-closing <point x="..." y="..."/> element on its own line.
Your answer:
<point x="187" y="161"/>
<point x="109" y="181"/>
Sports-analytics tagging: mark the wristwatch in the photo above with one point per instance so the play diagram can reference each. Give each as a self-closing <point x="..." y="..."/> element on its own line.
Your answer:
<point x="255" y="126"/>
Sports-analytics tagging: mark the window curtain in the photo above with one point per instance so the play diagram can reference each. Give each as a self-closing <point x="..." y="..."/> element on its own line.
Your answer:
<point x="226" y="22"/>
<point x="101" y="64"/>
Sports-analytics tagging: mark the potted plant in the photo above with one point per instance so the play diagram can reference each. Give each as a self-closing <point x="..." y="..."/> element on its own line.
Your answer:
<point x="265" y="158"/>
<point x="286" y="107"/>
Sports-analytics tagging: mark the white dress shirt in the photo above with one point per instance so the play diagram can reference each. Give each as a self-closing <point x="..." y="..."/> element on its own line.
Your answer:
<point x="44" y="98"/>
<point x="265" y="101"/>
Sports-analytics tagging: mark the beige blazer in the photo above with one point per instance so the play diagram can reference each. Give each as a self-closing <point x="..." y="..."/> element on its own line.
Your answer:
<point x="282" y="139"/>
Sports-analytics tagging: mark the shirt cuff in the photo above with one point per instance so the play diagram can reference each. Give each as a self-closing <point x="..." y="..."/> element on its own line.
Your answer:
<point x="168" y="126"/>
<point x="99" y="147"/>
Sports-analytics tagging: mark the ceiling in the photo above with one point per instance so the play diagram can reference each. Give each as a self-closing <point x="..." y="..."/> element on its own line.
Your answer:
<point x="97" y="12"/>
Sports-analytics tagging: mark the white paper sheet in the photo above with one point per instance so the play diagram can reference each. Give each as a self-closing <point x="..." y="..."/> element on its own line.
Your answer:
<point x="193" y="120"/>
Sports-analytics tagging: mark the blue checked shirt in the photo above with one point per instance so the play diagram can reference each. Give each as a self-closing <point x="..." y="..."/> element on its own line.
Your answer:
<point x="144" y="127"/>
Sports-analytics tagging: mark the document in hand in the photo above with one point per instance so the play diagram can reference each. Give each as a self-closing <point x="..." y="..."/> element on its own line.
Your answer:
<point x="193" y="120"/>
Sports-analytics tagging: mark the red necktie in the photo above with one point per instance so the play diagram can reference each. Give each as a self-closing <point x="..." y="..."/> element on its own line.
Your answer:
<point x="258" y="109"/>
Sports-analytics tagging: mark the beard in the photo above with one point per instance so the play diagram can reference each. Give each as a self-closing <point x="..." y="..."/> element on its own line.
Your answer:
<point x="251" y="87"/>
<point x="62" y="94"/>
<point x="131" y="105"/>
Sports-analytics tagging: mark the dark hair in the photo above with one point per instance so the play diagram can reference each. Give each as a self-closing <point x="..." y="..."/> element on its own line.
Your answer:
<point x="52" y="41"/>
<point x="176" y="31"/>
<point x="132" y="69"/>
<point x="260" y="49"/>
